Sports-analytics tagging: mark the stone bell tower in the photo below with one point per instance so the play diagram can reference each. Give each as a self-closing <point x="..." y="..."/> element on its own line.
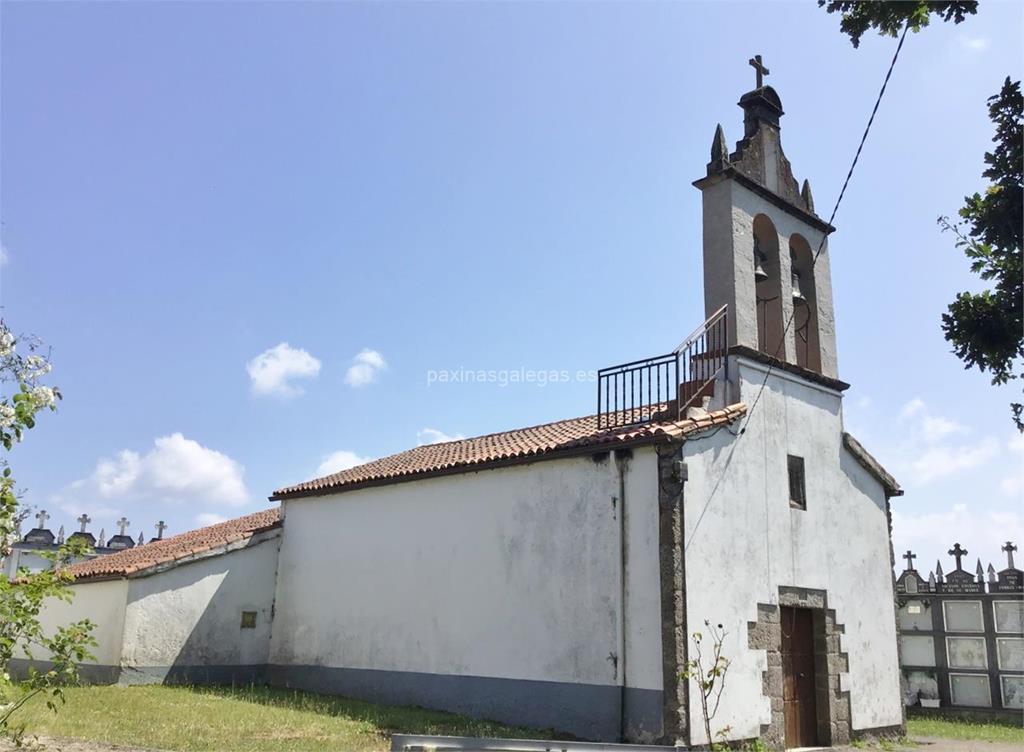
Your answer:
<point x="761" y="234"/>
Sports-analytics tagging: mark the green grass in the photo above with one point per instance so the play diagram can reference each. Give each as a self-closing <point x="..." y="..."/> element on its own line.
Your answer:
<point x="961" y="728"/>
<point x="250" y="719"/>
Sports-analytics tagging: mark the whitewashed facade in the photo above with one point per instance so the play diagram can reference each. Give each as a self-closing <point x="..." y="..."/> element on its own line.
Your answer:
<point x="552" y="576"/>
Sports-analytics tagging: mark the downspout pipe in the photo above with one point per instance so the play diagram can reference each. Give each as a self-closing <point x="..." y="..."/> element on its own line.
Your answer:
<point x="622" y="459"/>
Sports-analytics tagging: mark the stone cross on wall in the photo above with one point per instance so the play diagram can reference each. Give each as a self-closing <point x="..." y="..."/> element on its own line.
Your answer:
<point x="909" y="556"/>
<point x="122" y="524"/>
<point x="1009" y="548"/>
<point x="42" y="517"/>
<point x="958" y="553"/>
<point x="758" y="66"/>
<point x="83" y="521"/>
<point x="160" y="527"/>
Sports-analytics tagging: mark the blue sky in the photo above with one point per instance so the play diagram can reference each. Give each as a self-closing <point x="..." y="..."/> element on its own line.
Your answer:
<point x="201" y="199"/>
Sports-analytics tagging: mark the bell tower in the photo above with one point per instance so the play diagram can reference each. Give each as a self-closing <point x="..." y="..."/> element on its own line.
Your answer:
<point x="761" y="233"/>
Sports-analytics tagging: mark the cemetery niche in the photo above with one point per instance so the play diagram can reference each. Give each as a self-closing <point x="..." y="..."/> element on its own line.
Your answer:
<point x="961" y="635"/>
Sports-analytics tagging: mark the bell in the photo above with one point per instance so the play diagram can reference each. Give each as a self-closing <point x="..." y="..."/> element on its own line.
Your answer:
<point x="760" y="275"/>
<point x="798" y="293"/>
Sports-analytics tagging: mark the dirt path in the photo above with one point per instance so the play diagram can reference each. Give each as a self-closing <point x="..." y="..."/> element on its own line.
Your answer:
<point x="936" y="744"/>
<point x="923" y="744"/>
<point x="46" y="744"/>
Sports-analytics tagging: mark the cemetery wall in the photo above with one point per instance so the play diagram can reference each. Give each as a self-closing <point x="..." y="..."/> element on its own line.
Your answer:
<point x="494" y="593"/>
<point x="748" y="543"/>
<point x="185" y="624"/>
<point x="102" y="603"/>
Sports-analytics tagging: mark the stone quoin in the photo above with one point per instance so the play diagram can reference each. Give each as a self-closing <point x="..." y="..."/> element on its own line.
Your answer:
<point x="553" y="576"/>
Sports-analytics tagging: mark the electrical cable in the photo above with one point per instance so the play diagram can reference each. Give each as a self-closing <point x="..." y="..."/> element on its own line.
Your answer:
<point x="814" y="260"/>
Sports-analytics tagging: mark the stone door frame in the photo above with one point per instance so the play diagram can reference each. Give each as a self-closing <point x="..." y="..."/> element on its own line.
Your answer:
<point x="833" y="703"/>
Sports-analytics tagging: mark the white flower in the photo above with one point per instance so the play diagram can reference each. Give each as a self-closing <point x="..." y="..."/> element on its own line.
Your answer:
<point x="43" y="396"/>
<point x="7" y="341"/>
<point x="34" y="367"/>
<point x="6" y="415"/>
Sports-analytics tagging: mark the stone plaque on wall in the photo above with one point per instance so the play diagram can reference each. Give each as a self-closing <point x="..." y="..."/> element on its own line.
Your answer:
<point x="970" y="689"/>
<point x="963" y="616"/>
<point x="1009" y="616"/>
<point x="917" y="650"/>
<point x="966" y="652"/>
<point x="1013" y="691"/>
<point x="915" y="614"/>
<point x="1011" y="653"/>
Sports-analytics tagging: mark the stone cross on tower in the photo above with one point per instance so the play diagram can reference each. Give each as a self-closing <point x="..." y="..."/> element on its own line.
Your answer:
<point x="83" y="521"/>
<point x="1009" y="548"/>
<point x="42" y="517"/>
<point x="122" y="524"/>
<point x="758" y="66"/>
<point x="909" y="556"/>
<point x="958" y="553"/>
<point x="160" y="527"/>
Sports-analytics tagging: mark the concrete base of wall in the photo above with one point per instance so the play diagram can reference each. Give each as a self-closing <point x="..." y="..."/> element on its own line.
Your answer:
<point x="587" y="711"/>
<point x="131" y="675"/>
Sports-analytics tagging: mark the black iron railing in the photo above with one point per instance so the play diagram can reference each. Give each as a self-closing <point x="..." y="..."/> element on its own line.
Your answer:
<point x="634" y="392"/>
<point x="664" y="386"/>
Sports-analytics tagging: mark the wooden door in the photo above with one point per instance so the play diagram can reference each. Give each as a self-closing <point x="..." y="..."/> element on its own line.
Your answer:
<point x="798" y="677"/>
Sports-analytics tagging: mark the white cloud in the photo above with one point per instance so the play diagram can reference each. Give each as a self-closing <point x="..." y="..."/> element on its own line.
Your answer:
<point x="210" y="518"/>
<point x="912" y="408"/>
<point x="974" y="44"/>
<point x="4" y="256"/>
<point x="1013" y="484"/>
<point x="272" y="370"/>
<point x="365" y="368"/>
<point x="935" y="429"/>
<point x="176" y="469"/>
<point x="434" y="436"/>
<point x="932" y="446"/>
<point x="941" y="461"/>
<point x="335" y="462"/>
<point x="931" y="534"/>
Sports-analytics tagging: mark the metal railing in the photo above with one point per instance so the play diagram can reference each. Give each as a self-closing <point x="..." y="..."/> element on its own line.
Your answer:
<point x="702" y="356"/>
<point x="665" y="385"/>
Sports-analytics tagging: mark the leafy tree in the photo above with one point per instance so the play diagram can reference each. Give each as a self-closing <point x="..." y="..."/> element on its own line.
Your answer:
<point x="22" y="600"/>
<point x="889" y="16"/>
<point x="986" y="329"/>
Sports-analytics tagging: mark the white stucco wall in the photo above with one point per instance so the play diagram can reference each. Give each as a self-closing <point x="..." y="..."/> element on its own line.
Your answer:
<point x="190" y="615"/>
<point x="748" y="542"/>
<point x="509" y="573"/>
<point x="101" y="602"/>
<point x="729" y="210"/>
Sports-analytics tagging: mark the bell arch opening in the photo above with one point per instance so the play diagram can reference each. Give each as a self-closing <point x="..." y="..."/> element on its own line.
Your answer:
<point x="768" y="288"/>
<point x="805" y="305"/>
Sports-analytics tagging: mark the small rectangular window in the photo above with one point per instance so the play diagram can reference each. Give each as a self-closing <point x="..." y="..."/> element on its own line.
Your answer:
<point x="797" y="489"/>
<point x="248" y="620"/>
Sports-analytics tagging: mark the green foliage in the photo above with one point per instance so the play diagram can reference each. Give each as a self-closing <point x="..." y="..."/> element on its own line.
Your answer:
<point x="968" y="729"/>
<point x="22" y="600"/>
<point x="986" y="328"/>
<point x="889" y="16"/>
<point x="709" y="679"/>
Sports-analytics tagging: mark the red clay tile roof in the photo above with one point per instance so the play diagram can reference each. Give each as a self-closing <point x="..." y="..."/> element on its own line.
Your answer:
<point x="523" y="444"/>
<point x="132" y="560"/>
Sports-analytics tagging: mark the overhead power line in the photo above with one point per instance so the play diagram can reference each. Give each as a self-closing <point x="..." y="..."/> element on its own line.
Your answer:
<point x="814" y="260"/>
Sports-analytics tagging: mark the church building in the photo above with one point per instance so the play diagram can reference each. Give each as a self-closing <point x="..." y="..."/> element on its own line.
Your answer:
<point x="553" y="576"/>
